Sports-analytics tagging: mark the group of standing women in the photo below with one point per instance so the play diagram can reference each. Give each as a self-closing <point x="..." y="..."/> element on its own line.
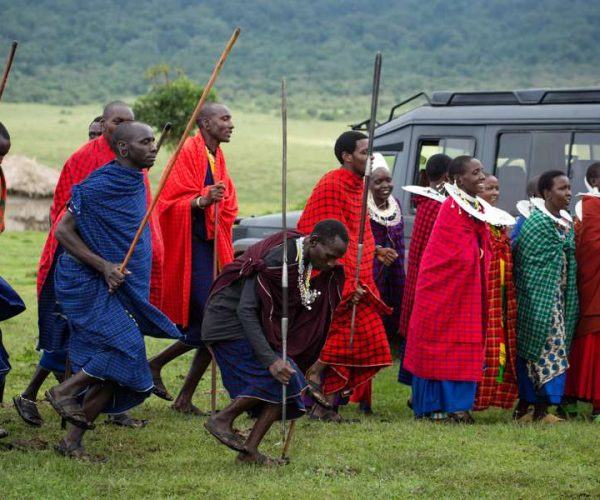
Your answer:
<point x="486" y="319"/>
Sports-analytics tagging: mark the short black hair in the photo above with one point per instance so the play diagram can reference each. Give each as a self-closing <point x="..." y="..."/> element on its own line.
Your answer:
<point x="437" y="166"/>
<point x="328" y="230"/>
<point x="593" y="171"/>
<point x="458" y="166"/>
<point x="98" y="119"/>
<point x="4" y="133"/>
<point x="346" y="143"/>
<point x="111" y="106"/>
<point x="123" y="133"/>
<point x="547" y="180"/>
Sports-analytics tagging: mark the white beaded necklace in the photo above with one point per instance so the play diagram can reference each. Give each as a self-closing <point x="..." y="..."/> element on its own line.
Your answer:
<point x="307" y="296"/>
<point x="389" y="216"/>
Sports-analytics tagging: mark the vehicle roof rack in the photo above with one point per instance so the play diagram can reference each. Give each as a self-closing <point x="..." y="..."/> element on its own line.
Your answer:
<point x="516" y="97"/>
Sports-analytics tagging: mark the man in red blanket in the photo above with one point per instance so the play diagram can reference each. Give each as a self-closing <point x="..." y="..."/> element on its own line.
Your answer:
<point x="338" y="195"/>
<point x="198" y="188"/>
<point x="436" y="169"/>
<point x="53" y="329"/>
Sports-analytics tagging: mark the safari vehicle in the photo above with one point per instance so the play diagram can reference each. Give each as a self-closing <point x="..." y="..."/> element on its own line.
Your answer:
<point x="516" y="135"/>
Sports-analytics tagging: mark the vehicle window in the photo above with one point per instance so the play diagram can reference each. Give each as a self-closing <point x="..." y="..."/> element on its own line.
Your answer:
<point x="452" y="146"/>
<point x="550" y="151"/>
<point x="512" y="163"/>
<point x="584" y="151"/>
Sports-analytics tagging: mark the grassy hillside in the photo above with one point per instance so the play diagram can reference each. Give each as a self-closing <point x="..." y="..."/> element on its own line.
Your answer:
<point x="385" y="456"/>
<point x="70" y="53"/>
<point x="51" y="133"/>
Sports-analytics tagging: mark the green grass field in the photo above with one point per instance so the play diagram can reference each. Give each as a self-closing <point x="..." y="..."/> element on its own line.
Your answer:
<point x="52" y="133"/>
<point x="385" y="456"/>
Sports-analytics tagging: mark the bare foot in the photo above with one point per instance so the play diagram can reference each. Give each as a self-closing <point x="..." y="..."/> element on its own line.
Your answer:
<point x="188" y="408"/>
<point x="159" y="389"/>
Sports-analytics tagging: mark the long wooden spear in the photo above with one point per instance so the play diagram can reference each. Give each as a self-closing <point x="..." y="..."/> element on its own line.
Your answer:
<point x="7" y="66"/>
<point x="184" y="136"/>
<point x="213" y="362"/>
<point x="163" y="135"/>
<point x="367" y="178"/>
<point x="284" y="271"/>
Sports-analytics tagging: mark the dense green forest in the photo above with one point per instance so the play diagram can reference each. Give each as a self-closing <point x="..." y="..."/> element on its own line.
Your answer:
<point x="72" y="51"/>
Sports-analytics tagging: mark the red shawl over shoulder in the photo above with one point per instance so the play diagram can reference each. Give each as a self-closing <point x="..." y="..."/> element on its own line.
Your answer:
<point x="338" y="195"/>
<point x="446" y="332"/>
<point x="587" y="253"/>
<point x="427" y="211"/>
<point x="185" y="183"/>
<point x="83" y="162"/>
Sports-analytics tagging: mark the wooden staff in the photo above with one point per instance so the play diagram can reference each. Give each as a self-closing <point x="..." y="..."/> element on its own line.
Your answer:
<point x="7" y="66"/>
<point x="367" y="178"/>
<point x="284" y="273"/>
<point x="213" y="362"/>
<point x="184" y="136"/>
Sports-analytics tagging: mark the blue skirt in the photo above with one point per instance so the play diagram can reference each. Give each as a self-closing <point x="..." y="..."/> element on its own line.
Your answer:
<point x="550" y="393"/>
<point x="202" y="278"/>
<point x="245" y="377"/>
<point x="54" y="361"/>
<point x="404" y="376"/>
<point x="442" y="395"/>
<point x="52" y="323"/>
<point x="10" y="305"/>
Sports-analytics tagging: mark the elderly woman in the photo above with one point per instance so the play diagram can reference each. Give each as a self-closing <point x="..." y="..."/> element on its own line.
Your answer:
<point x="388" y="267"/>
<point x="548" y="306"/>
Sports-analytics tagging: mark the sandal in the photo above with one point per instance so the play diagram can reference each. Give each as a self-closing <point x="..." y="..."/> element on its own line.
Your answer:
<point x="461" y="417"/>
<point x="314" y="391"/>
<point x="70" y="410"/>
<point x="79" y="453"/>
<point x="124" y="420"/>
<point x="229" y="439"/>
<point x="260" y="459"/>
<point x="160" y="390"/>
<point x="28" y="411"/>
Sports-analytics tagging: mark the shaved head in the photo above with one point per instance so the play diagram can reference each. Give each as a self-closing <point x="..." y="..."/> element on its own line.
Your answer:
<point x="114" y="113"/>
<point x="208" y="110"/>
<point x="115" y="107"/>
<point x="134" y="145"/>
<point x="215" y="124"/>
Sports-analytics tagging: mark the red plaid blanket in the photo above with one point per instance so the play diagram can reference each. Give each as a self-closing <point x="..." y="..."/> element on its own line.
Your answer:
<point x="501" y="329"/>
<point x="338" y="196"/>
<point x="445" y="336"/>
<point x="427" y="211"/>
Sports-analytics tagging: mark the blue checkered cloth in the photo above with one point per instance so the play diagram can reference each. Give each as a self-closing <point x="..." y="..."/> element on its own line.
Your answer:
<point x="10" y="305"/>
<point x="106" y="329"/>
<point x="244" y="376"/>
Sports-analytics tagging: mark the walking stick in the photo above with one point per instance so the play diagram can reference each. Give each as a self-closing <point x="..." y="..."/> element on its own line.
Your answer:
<point x="363" y="211"/>
<point x="284" y="273"/>
<point x="7" y="66"/>
<point x="213" y="363"/>
<point x="184" y="136"/>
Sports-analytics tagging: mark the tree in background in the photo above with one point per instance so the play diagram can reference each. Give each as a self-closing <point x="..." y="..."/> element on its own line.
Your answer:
<point x="169" y="100"/>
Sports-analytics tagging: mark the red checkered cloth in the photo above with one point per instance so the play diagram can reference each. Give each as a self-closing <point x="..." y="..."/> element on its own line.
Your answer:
<point x="185" y="183"/>
<point x="80" y="164"/>
<point x="447" y="325"/>
<point x="2" y="199"/>
<point x="501" y="329"/>
<point x="427" y="211"/>
<point x="338" y="195"/>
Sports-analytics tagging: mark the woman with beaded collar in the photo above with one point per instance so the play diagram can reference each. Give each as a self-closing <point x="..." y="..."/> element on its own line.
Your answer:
<point x="444" y="351"/>
<point x="388" y="267"/>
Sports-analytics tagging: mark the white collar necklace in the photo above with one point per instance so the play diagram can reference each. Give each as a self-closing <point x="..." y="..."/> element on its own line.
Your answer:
<point x="465" y="201"/>
<point x="427" y="192"/>
<point x="390" y="216"/>
<point x="541" y="206"/>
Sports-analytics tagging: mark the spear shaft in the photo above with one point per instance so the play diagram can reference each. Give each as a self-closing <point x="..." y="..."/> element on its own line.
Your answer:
<point x="366" y="180"/>
<point x="7" y="66"/>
